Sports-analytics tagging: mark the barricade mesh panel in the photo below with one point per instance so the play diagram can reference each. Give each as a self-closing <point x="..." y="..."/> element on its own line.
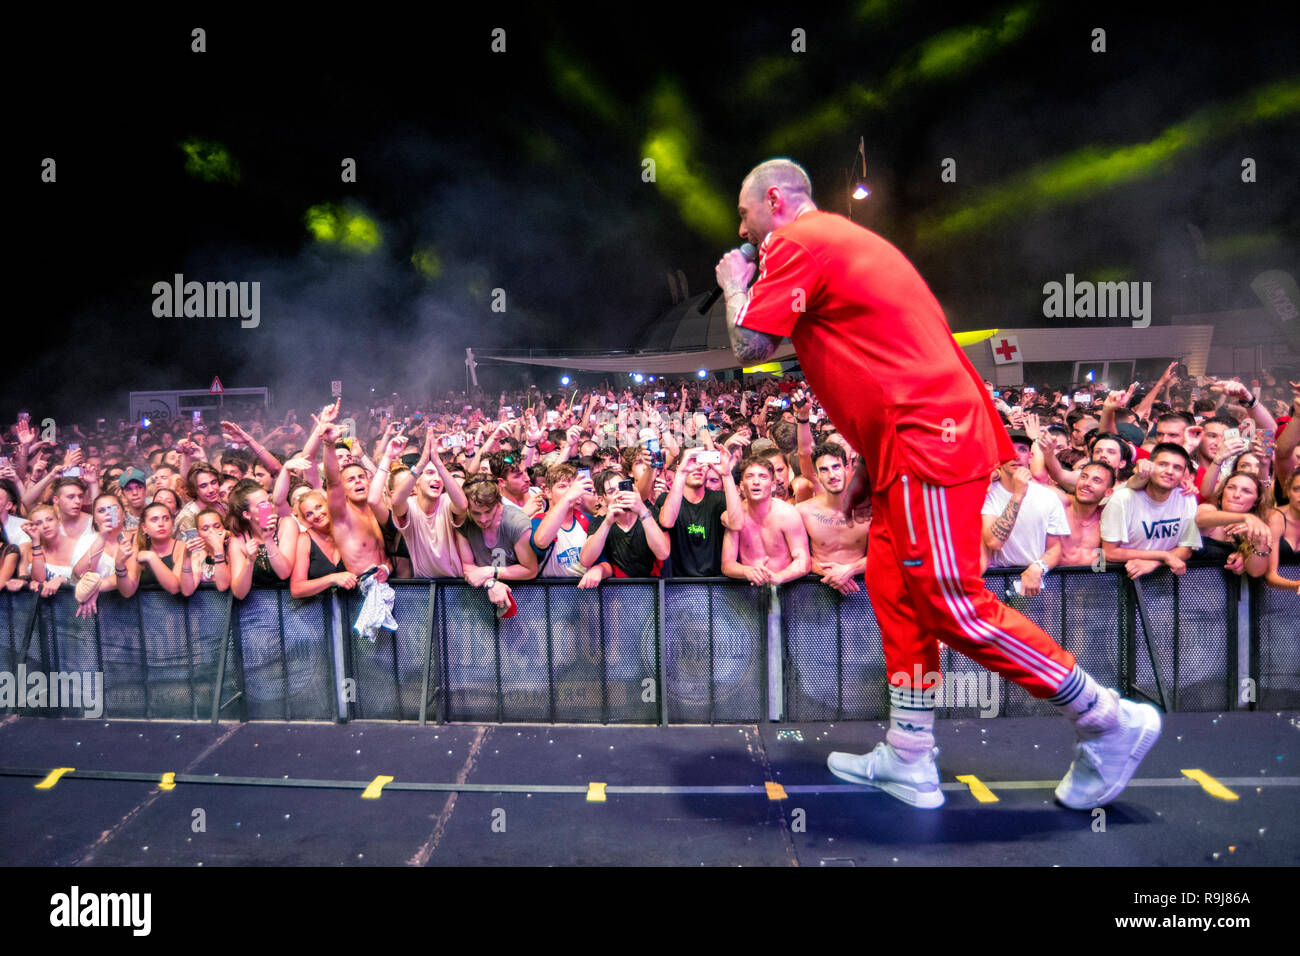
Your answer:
<point x="287" y="650"/>
<point x="713" y="650"/>
<point x="1185" y="615"/>
<point x="1277" y="617"/>
<point x="182" y="644"/>
<point x="76" y="646"/>
<point x="630" y="612"/>
<point x="835" y="664"/>
<point x="22" y="641"/>
<point x="1206" y="659"/>
<point x="390" y="669"/>
<point x="468" y="624"/>
<point x="603" y="680"/>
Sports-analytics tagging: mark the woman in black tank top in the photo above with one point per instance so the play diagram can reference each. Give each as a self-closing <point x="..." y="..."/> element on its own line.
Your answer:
<point x="1284" y="522"/>
<point x="319" y="565"/>
<point x="1244" y="545"/>
<point x="154" y="559"/>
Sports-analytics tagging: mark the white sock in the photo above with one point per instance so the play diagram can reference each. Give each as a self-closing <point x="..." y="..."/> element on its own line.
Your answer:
<point x="911" y="722"/>
<point x="1092" y="708"/>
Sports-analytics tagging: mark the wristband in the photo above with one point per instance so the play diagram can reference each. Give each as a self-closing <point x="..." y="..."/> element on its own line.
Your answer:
<point x="36" y="551"/>
<point x="220" y="559"/>
<point x="802" y="421"/>
<point x="187" y="569"/>
<point x="1042" y="566"/>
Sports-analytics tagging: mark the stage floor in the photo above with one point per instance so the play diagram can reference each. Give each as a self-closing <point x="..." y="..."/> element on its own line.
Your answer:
<point x="727" y="795"/>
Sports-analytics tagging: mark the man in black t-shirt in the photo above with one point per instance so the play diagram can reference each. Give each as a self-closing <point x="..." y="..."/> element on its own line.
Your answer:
<point x="626" y="538"/>
<point x="694" y="517"/>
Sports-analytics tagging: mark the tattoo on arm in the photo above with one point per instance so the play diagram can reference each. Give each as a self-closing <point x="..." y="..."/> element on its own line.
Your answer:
<point x="751" y="346"/>
<point x="1006" y="521"/>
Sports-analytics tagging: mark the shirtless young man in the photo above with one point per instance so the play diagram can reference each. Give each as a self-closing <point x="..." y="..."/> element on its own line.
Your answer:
<point x="838" y="537"/>
<point x="771" y="546"/>
<point x="360" y="542"/>
<point x="74" y="520"/>
<point x="1083" y="512"/>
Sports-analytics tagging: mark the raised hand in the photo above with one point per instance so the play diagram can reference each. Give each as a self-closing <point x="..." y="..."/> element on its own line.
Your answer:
<point x="235" y="433"/>
<point x="1032" y="427"/>
<point x="533" y="434"/>
<point x="736" y="446"/>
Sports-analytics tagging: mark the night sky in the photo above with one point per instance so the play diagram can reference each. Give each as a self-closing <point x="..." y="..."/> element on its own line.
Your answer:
<point x="523" y="171"/>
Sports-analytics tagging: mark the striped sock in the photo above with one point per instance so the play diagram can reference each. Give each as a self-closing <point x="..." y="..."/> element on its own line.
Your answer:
<point x="1092" y="708"/>
<point x="911" y="722"/>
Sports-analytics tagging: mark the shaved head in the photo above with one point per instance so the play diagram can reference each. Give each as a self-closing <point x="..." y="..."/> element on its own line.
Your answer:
<point x="784" y="173"/>
<point x="774" y="194"/>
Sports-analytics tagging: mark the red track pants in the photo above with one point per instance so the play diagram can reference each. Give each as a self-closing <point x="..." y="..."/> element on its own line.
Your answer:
<point x="923" y="577"/>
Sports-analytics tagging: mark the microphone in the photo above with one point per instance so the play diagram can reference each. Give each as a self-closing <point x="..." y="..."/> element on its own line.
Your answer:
<point x="747" y="249"/>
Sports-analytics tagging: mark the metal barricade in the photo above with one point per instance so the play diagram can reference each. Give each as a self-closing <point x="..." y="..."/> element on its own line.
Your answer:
<point x="685" y="650"/>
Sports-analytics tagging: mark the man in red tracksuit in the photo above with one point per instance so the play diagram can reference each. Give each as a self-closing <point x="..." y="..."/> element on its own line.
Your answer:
<point x="875" y="348"/>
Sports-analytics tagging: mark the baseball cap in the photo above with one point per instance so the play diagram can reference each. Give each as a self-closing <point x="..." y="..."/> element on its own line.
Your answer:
<point x="130" y="475"/>
<point x="1019" y="438"/>
<point x="1130" y="433"/>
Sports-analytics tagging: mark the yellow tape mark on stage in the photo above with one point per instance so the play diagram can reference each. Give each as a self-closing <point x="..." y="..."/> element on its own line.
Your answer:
<point x="372" y="791"/>
<point x="53" y="777"/>
<point x="981" y="793"/>
<point x="168" y="781"/>
<point x="775" y="791"/>
<point x="595" y="792"/>
<point x="1209" y="784"/>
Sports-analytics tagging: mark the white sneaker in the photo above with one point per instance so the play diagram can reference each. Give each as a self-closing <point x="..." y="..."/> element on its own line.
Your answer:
<point x="915" y="782"/>
<point x="1103" y="766"/>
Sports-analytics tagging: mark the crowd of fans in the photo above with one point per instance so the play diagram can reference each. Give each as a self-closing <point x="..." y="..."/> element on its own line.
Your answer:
<point x="746" y="479"/>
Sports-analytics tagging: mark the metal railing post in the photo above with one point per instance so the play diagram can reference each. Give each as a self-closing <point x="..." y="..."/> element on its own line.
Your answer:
<point x="429" y="619"/>
<point x="775" y="672"/>
<point x="661" y="667"/>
